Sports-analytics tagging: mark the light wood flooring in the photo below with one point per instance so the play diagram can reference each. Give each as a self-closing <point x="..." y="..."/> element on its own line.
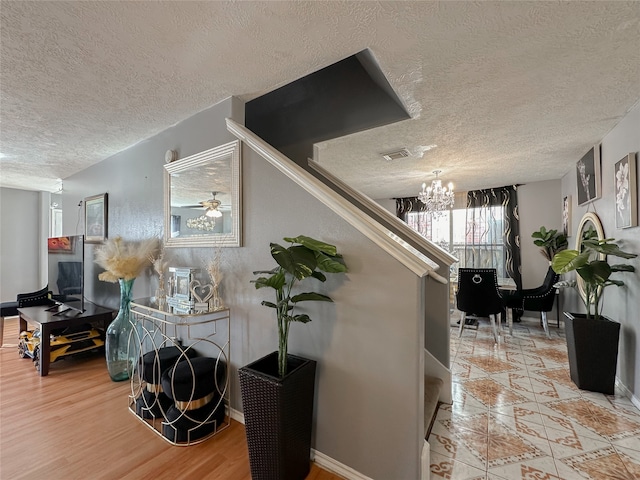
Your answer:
<point x="75" y="424"/>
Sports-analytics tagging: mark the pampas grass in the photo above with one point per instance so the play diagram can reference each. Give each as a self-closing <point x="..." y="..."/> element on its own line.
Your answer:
<point x="124" y="259"/>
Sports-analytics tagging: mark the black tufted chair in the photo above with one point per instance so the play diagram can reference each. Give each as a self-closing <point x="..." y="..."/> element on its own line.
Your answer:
<point x="538" y="299"/>
<point x="31" y="299"/>
<point x="478" y="295"/>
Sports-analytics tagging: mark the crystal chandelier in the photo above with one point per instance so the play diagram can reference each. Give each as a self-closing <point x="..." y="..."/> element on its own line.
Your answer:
<point x="436" y="198"/>
<point x="203" y="222"/>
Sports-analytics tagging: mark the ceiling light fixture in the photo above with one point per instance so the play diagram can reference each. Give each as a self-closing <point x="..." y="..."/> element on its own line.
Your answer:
<point x="202" y="223"/>
<point x="436" y="197"/>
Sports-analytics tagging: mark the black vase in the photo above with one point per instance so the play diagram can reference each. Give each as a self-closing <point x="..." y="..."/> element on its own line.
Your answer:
<point x="278" y="414"/>
<point x="592" y="346"/>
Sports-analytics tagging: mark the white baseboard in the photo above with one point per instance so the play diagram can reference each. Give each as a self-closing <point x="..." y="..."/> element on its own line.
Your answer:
<point x="322" y="460"/>
<point x="333" y="466"/>
<point x="628" y="393"/>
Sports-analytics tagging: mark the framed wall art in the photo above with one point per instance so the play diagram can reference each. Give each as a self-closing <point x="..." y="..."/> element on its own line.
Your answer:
<point x="588" y="175"/>
<point x="626" y="191"/>
<point x="95" y="218"/>
<point x="566" y="215"/>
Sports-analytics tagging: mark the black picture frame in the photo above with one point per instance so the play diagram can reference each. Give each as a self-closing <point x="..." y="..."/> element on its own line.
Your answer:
<point x="95" y="218"/>
<point x="588" y="176"/>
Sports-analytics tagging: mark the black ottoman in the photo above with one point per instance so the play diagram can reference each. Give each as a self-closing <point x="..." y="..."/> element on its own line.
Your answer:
<point x="196" y="386"/>
<point x="153" y="400"/>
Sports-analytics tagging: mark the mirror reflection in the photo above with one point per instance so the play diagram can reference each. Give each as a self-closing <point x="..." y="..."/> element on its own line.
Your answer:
<point x="590" y="227"/>
<point x="202" y="198"/>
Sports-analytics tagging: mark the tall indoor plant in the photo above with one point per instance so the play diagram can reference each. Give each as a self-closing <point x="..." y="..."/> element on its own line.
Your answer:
<point x="592" y="339"/>
<point x="549" y="241"/>
<point x="278" y="389"/>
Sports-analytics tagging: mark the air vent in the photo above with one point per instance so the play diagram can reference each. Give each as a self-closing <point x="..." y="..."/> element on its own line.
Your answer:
<point x="402" y="153"/>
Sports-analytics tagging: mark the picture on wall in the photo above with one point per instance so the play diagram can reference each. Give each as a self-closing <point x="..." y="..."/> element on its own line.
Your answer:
<point x="588" y="174"/>
<point x="61" y="244"/>
<point x="566" y="215"/>
<point x="626" y="192"/>
<point x="95" y="218"/>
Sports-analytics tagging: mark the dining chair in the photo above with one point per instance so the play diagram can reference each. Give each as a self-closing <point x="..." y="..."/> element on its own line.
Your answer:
<point x="539" y="299"/>
<point x="478" y="296"/>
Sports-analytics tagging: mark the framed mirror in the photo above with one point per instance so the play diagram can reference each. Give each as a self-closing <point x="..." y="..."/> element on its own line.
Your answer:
<point x="202" y="199"/>
<point x="589" y="227"/>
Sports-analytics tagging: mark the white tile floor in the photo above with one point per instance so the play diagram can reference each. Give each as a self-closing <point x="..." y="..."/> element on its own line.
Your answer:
<point x="516" y="414"/>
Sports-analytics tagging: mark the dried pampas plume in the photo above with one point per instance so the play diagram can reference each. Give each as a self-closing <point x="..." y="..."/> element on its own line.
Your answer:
<point x="124" y="259"/>
<point x="214" y="267"/>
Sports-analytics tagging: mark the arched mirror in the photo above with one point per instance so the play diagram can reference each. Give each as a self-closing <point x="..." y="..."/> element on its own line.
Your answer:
<point x="589" y="227"/>
<point x="202" y="199"/>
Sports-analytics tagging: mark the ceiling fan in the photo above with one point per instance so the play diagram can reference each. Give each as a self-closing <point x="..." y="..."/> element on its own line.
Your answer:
<point x="211" y="206"/>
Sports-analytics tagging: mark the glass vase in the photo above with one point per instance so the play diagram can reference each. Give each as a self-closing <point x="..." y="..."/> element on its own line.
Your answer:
<point x="121" y="346"/>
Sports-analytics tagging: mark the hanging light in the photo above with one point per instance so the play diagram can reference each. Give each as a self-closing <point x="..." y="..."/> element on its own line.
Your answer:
<point x="436" y="197"/>
<point x="203" y="223"/>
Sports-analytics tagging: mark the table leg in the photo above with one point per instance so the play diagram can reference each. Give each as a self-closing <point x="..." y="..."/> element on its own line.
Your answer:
<point x="22" y="324"/>
<point x="45" y="349"/>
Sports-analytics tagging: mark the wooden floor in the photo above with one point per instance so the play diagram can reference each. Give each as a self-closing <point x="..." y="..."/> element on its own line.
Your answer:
<point x="75" y="424"/>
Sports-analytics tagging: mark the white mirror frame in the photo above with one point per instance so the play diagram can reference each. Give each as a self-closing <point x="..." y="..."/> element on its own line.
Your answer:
<point x="199" y="160"/>
<point x="587" y="218"/>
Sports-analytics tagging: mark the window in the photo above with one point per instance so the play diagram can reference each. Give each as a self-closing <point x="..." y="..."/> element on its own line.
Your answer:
<point x="474" y="236"/>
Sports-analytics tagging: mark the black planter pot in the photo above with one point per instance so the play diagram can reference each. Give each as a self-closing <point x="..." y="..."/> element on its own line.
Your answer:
<point x="278" y="416"/>
<point x="592" y="346"/>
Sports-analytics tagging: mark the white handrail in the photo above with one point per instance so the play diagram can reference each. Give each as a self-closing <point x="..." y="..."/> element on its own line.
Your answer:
<point x="415" y="261"/>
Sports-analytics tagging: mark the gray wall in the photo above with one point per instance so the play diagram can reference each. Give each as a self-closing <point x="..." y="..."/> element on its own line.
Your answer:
<point x="23" y="232"/>
<point x="368" y="343"/>
<point x="620" y="304"/>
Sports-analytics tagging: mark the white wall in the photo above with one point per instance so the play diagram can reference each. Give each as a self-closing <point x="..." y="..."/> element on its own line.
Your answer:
<point x="620" y="304"/>
<point x="22" y="240"/>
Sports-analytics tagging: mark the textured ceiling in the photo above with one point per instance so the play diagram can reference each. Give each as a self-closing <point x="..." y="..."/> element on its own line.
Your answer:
<point x="510" y="92"/>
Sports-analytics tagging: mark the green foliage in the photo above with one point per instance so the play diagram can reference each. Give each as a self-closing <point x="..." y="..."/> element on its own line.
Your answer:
<point x="594" y="271"/>
<point x="549" y="241"/>
<point x="304" y="258"/>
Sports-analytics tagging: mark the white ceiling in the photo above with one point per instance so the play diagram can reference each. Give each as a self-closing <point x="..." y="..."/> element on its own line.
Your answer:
<point x="510" y="92"/>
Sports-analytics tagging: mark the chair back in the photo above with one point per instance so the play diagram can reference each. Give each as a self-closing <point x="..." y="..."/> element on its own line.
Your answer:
<point x="541" y="299"/>
<point x="478" y="291"/>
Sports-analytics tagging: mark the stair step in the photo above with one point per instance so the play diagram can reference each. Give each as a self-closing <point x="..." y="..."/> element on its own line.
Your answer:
<point x="432" y="388"/>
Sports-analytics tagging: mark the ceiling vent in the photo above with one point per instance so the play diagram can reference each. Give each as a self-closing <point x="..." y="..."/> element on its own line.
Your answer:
<point x="402" y="153"/>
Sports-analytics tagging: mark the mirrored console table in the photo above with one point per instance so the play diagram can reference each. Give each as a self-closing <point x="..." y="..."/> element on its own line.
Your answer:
<point x="180" y="383"/>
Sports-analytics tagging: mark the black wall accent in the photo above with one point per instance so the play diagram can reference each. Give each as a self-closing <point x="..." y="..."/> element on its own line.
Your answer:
<point x="349" y="96"/>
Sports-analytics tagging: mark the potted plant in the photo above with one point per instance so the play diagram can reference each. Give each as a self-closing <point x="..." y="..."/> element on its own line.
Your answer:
<point x="549" y="241"/>
<point x="592" y="339"/>
<point x="278" y="389"/>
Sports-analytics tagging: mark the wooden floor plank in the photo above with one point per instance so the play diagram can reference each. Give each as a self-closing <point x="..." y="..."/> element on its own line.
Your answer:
<point x="75" y="424"/>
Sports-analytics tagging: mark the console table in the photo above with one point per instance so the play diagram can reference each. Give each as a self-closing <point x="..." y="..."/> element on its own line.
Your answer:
<point x="190" y="333"/>
<point x="49" y="321"/>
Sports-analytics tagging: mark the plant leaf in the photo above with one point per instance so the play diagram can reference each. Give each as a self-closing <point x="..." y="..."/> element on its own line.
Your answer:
<point x="313" y="244"/>
<point x="302" y="318"/>
<point x="622" y="267"/>
<point x="275" y="281"/>
<point x="310" y="296"/>
<point x="603" y="246"/>
<point x="297" y="260"/>
<point x="596" y="272"/>
<point x="330" y="264"/>
<point x="319" y="275"/>
<point x="569" y="260"/>
<point x="269" y="304"/>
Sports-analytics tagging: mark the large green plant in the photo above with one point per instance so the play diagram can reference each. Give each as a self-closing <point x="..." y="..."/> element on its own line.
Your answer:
<point x="304" y="258"/>
<point x="549" y="241"/>
<point x="595" y="272"/>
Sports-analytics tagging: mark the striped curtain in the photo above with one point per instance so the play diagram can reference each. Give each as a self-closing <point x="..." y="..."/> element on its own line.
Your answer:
<point x="492" y="237"/>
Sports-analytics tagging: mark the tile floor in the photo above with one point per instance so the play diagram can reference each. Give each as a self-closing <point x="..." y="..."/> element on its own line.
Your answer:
<point x="516" y="414"/>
